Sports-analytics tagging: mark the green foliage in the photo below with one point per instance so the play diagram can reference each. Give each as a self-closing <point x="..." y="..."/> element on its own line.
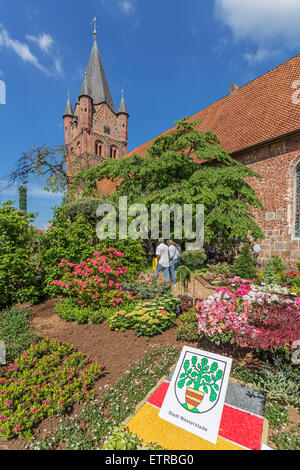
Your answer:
<point x="99" y="425"/>
<point x="296" y="283"/>
<point x="147" y="319"/>
<point x="220" y="268"/>
<point x="43" y="381"/>
<point x="15" y="331"/>
<point x="23" y="199"/>
<point x="18" y="273"/>
<point x="277" y="378"/>
<point x="289" y="440"/>
<point x="193" y="259"/>
<point x="183" y="275"/>
<point x="276" y="414"/>
<point x="273" y="266"/>
<point x="188" y="327"/>
<point x="244" y="265"/>
<point x="121" y="439"/>
<point x="87" y="207"/>
<point x="64" y="240"/>
<point x="72" y="436"/>
<point x="176" y="170"/>
<point x="134" y="259"/>
<point x="68" y="310"/>
<point x="121" y="399"/>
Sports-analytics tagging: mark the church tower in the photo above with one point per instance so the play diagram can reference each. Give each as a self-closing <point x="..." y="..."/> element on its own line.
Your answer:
<point x="94" y="130"/>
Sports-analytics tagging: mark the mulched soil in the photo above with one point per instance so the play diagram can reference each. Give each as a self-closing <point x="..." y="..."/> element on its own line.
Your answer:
<point x="118" y="351"/>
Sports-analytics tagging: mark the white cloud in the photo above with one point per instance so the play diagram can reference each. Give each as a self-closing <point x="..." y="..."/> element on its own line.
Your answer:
<point x="21" y="49"/>
<point x="44" y="41"/>
<point x="127" y="7"/>
<point x="265" y="24"/>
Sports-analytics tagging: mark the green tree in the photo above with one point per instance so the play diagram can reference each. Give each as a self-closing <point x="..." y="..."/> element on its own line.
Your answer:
<point x="187" y="167"/>
<point x="18" y="273"/>
<point x="244" y="265"/>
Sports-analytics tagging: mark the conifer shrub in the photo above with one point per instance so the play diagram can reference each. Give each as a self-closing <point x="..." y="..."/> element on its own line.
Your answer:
<point x="244" y="265"/>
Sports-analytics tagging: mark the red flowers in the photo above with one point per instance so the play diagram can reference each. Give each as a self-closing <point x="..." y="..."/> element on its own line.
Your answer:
<point x="93" y="281"/>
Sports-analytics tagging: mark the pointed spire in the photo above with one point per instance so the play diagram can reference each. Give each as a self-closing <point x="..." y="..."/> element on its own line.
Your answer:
<point x="123" y="107"/>
<point x="84" y="88"/>
<point x="96" y="80"/>
<point x="69" y="109"/>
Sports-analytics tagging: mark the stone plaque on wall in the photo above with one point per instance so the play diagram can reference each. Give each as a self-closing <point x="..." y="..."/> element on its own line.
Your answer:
<point x="270" y="216"/>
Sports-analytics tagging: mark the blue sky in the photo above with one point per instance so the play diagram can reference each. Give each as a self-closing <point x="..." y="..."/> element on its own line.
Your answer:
<point x="172" y="57"/>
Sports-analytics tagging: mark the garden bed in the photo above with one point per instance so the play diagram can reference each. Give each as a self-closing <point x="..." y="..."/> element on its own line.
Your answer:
<point x="118" y="351"/>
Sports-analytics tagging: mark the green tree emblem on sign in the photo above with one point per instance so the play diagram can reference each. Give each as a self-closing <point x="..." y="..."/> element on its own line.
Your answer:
<point x="200" y="379"/>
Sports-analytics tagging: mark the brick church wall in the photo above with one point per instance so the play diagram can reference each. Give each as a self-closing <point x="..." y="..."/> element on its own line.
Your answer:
<point x="276" y="163"/>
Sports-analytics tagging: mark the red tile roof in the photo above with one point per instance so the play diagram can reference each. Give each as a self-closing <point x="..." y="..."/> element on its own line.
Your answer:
<point x="257" y="112"/>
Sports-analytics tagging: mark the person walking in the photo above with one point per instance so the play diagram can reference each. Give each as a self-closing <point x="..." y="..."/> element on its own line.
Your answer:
<point x="179" y="256"/>
<point x="256" y="251"/>
<point x="163" y="260"/>
<point x="174" y="257"/>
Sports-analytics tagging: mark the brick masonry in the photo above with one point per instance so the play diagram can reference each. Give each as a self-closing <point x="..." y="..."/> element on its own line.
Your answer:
<point x="276" y="163"/>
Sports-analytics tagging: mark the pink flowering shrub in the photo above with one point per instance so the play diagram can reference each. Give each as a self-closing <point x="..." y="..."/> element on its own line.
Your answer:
<point x="96" y="281"/>
<point x="249" y="318"/>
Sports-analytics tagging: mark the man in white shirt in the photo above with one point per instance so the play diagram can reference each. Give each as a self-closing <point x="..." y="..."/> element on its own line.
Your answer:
<point x="256" y="250"/>
<point x="163" y="260"/>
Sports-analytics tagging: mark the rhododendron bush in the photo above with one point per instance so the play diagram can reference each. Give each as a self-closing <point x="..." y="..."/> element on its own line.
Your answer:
<point x="247" y="317"/>
<point x="96" y="281"/>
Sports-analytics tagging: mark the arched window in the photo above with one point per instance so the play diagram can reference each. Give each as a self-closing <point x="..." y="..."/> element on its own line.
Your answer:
<point x="98" y="148"/>
<point x="113" y="152"/>
<point x="297" y="203"/>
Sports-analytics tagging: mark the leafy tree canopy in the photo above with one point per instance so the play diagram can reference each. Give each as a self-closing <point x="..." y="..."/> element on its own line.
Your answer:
<point x="187" y="167"/>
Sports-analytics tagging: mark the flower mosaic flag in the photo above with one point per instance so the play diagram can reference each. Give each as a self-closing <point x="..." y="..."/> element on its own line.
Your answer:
<point x="195" y="398"/>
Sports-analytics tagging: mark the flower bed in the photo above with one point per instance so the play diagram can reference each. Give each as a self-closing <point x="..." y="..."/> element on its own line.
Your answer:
<point x="94" y="282"/>
<point x="147" y="319"/>
<point x="243" y="316"/>
<point x="42" y="382"/>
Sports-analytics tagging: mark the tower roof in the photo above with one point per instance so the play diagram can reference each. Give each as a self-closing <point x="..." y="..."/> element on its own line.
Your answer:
<point x="84" y="91"/>
<point x="69" y="109"/>
<point x="98" y="88"/>
<point x="123" y="107"/>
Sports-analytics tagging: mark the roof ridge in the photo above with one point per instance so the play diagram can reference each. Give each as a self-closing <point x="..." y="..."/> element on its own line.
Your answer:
<point x="194" y="116"/>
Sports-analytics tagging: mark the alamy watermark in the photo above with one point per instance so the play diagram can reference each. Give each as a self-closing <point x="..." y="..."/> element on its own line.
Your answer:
<point x="2" y="92"/>
<point x="2" y="353"/>
<point x="137" y="222"/>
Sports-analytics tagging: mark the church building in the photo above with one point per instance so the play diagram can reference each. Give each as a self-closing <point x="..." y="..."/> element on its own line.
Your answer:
<point x="95" y="129"/>
<point x="258" y="124"/>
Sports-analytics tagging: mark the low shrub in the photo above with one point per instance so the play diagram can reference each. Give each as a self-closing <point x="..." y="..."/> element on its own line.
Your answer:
<point x="277" y="377"/>
<point x="193" y="259"/>
<point x="15" y="331"/>
<point x="220" y="268"/>
<point x="289" y="440"/>
<point x="120" y="438"/>
<point x="248" y="318"/>
<point x="244" y="265"/>
<point x="94" y="282"/>
<point x="69" y="310"/>
<point x="42" y="382"/>
<point x="276" y="414"/>
<point x="147" y="319"/>
<point x="188" y="327"/>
